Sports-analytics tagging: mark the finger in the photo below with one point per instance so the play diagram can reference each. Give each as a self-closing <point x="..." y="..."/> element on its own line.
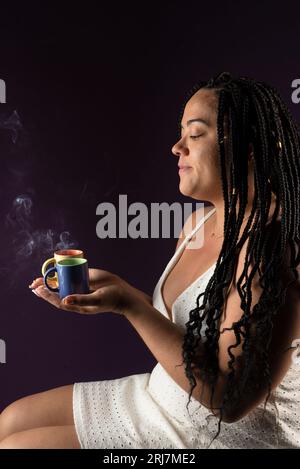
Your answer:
<point x="93" y="275"/>
<point x="97" y="276"/>
<point x="51" y="282"/>
<point x="40" y="282"/>
<point x="82" y="309"/>
<point x="49" y="296"/>
<point x="33" y="291"/>
<point x="89" y="299"/>
<point x="37" y="282"/>
<point x="54" y="299"/>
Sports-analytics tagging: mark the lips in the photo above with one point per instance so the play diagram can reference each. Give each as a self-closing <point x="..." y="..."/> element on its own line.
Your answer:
<point x="183" y="169"/>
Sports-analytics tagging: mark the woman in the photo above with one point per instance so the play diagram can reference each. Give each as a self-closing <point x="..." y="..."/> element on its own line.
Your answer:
<point x="223" y="317"/>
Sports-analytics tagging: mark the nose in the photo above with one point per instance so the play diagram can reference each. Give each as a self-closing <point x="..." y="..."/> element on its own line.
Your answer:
<point x="179" y="149"/>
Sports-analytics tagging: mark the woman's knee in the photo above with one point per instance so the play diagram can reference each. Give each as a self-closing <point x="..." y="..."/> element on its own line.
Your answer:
<point x="47" y="408"/>
<point x="11" y="418"/>
<point x="10" y="442"/>
<point x="62" y="437"/>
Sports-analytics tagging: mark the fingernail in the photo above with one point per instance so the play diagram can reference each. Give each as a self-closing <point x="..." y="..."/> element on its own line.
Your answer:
<point x="69" y="301"/>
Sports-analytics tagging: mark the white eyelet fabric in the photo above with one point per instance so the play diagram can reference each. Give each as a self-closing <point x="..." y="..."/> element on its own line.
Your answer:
<point x="149" y="410"/>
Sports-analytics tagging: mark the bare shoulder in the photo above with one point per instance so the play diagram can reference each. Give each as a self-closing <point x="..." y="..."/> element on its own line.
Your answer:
<point x="191" y="222"/>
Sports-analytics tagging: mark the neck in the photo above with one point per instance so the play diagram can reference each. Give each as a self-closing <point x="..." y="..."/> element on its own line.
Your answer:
<point x="217" y="220"/>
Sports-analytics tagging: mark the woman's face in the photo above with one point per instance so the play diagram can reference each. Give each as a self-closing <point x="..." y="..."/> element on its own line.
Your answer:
<point x="198" y="148"/>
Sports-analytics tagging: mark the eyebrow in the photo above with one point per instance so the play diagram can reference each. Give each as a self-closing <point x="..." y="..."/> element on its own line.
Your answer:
<point x="199" y="119"/>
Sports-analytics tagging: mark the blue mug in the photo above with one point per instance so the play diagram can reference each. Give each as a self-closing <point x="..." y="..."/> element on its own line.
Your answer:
<point x="73" y="277"/>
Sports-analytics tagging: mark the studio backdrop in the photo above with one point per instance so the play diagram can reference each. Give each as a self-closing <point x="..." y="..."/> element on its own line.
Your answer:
<point x="89" y="106"/>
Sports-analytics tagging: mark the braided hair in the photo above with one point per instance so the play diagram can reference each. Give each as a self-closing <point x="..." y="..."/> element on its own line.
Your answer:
<point x="256" y="114"/>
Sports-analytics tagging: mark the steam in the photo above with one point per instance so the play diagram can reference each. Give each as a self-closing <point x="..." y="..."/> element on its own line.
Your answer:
<point x="24" y="240"/>
<point x="33" y="243"/>
<point x="20" y="213"/>
<point x="11" y="123"/>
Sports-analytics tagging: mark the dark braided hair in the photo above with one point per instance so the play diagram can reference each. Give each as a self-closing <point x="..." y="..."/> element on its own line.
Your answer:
<point x="257" y="115"/>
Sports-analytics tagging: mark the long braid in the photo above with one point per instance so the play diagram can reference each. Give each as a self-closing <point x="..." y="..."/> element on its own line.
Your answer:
<point x="256" y="114"/>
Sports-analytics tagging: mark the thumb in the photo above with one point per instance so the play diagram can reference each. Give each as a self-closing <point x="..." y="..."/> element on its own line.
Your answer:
<point x="89" y="299"/>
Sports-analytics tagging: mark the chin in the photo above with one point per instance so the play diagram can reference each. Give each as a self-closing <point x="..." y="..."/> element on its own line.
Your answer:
<point x="184" y="190"/>
<point x="190" y="192"/>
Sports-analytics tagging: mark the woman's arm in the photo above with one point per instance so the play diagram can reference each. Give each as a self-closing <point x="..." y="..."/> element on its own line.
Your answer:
<point x="165" y="339"/>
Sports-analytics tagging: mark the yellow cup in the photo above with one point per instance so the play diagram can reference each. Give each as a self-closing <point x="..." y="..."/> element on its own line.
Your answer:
<point x="58" y="256"/>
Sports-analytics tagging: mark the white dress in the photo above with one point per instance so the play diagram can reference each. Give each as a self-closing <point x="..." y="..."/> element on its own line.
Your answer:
<point x="148" y="410"/>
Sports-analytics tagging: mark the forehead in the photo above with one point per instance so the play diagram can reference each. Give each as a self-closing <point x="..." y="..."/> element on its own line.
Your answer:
<point x="203" y="104"/>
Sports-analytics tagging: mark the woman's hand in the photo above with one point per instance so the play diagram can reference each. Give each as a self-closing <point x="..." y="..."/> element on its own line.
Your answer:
<point x="109" y="293"/>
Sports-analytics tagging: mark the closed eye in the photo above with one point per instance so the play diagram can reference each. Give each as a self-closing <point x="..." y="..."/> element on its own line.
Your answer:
<point x="194" y="137"/>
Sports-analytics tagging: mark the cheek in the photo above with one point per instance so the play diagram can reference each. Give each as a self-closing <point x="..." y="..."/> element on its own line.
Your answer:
<point x="207" y="169"/>
<point x="205" y="155"/>
<point x="207" y="148"/>
<point x="214" y="159"/>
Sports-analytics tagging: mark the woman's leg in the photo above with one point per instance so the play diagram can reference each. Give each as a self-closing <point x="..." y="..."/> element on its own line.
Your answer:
<point x="43" y="409"/>
<point x="61" y="437"/>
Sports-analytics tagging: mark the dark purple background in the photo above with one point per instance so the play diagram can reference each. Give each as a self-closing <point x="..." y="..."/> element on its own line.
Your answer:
<point x="98" y="92"/>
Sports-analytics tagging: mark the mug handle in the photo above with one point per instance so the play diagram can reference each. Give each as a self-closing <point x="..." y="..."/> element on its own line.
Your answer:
<point x="49" y="271"/>
<point x="46" y="263"/>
